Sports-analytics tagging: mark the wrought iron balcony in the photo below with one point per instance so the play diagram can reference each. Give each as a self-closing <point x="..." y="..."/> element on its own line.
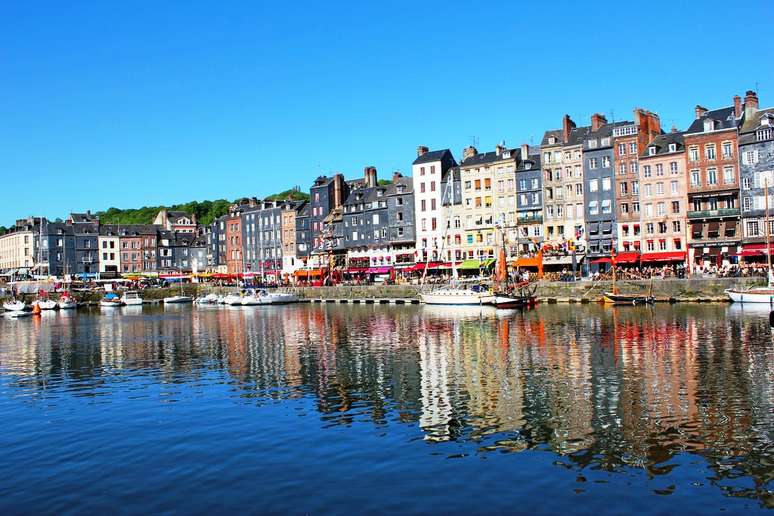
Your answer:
<point x="708" y="214"/>
<point x="530" y="218"/>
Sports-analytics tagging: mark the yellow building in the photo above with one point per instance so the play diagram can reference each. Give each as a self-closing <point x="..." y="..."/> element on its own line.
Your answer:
<point x="17" y="247"/>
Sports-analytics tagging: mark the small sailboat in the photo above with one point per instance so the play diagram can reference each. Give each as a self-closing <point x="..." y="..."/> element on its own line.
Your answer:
<point x="15" y="306"/>
<point x="67" y="303"/>
<point x="45" y="304"/>
<point x="209" y="299"/>
<point x="252" y="298"/>
<point x="615" y="297"/>
<point x="504" y="295"/>
<point x="180" y="299"/>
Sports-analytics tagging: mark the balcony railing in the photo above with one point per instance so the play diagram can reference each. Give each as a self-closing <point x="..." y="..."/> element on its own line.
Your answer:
<point x="707" y="214"/>
<point x="525" y="219"/>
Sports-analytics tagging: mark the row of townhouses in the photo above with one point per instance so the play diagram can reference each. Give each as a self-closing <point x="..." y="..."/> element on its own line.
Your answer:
<point x="694" y="197"/>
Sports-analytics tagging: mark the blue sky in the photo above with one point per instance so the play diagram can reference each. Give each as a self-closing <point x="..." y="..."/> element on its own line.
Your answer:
<point x="142" y="103"/>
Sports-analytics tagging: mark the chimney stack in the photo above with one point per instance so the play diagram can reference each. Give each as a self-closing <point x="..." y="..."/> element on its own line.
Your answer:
<point x="396" y="176"/>
<point x="597" y="121"/>
<point x="674" y="128"/>
<point x="499" y="148"/>
<point x="338" y="187"/>
<point x="567" y="126"/>
<point x="422" y="150"/>
<point x="700" y="111"/>
<point x="737" y="106"/>
<point x="524" y="151"/>
<point x="370" y="177"/>
<point x="750" y="103"/>
<point x="468" y="152"/>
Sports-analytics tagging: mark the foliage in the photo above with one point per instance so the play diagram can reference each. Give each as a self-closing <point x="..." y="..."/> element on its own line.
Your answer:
<point x="3" y="230"/>
<point x="293" y="194"/>
<point x="385" y="182"/>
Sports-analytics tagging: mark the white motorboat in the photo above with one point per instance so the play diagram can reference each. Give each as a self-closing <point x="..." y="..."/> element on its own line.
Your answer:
<point x="132" y="298"/>
<point x="111" y="302"/>
<point x="451" y="295"/>
<point x="209" y="299"/>
<point x="278" y="298"/>
<point x="252" y="299"/>
<point x="233" y="300"/>
<point x="177" y="300"/>
<point x="14" y="306"/>
<point x="753" y="295"/>
<point x="45" y="304"/>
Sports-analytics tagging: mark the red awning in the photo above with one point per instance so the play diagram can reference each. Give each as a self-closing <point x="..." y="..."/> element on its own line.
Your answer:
<point x="602" y="260"/>
<point x="421" y="266"/>
<point x="627" y="257"/>
<point x="760" y="248"/>
<point x="746" y="253"/>
<point x="356" y="270"/>
<point x="668" y="256"/>
<point x="379" y="270"/>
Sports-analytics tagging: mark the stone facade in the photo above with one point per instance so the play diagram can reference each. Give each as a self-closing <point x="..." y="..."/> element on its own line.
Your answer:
<point x="599" y="189"/>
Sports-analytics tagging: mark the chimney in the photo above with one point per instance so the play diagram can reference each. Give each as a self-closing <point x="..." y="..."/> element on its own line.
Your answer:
<point x="597" y="121"/>
<point x="567" y="126"/>
<point x="396" y="176"/>
<point x="370" y="177"/>
<point x="750" y="103"/>
<point x="468" y="152"/>
<point x="700" y="111"/>
<point x="499" y="148"/>
<point x="422" y="150"/>
<point x="674" y="128"/>
<point x="737" y="106"/>
<point x="524" y="151"/>
<point x="338" y="181"/>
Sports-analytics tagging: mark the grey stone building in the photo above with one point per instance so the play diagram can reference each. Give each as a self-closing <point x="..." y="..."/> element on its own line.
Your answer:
<point x="529" y="200"/>
<point x="599" y="191"/>
<point x="325" y="194"/>
<point x="303" y="232"/>
<point x="365" y="224"/>
<point x="262" y="239"/>
<point x="400" y="213"/>
<point x="86" y="233"/>
<point x="756" y="170"/>
<point x="59" y="248"/>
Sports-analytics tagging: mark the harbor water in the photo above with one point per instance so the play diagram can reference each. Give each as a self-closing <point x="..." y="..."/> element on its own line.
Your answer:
<point x="377" y="409"/>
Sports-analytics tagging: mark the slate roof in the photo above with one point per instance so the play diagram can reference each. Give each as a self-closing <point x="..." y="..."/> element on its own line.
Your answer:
<point x="552" y="132"/>
<point x="662" y="141"/>
<point x="724" y="119"/>
<point x="533" y="159"/>
<point x="83" y="217"/>
<point x="137" y="229"/>
<point x="750" y="126"/>
<point x="483" y="158"/>
<point x="431" y="156"/>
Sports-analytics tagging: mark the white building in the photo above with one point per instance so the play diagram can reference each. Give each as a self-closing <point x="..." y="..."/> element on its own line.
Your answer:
<point x="428" y="171"/>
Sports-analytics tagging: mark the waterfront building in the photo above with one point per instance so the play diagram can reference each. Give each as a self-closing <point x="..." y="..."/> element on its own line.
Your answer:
<point x="756" y="170"/>
<point x="599" y="191"/>
<point x="562" y="165"/>
<point x="326" y="194"/>
<point x="108" y="242"/>
<point x="86" y="234"/>
<point x="365" y="225"/>
<point x="234" y="256"/>
<point x="290" y="258"/>
<point x="176" y="221"/>
<point x="303" y="233"/>
<point x="261" y="224"/>
<point x="529" y="201"/>
<point x="488" y="200"/>
<point x="59" y="246"/>
<point x="451" y="201"/>
<point x="216" y="246"/>
<point x="428" y="171"/>
<point x="400" y="216"/>
<point x="629" y="141"/>
<point x="138" y="248"/>
<point x="664" y="200"/>
<point x="17" y="249"/>
<point x="713" y="186"/>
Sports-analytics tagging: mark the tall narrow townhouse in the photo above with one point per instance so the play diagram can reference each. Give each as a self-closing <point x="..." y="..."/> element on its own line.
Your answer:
<point x="756" y="170"/>
<point x="629" y="141"/>
<point x="713" y="187"/>
<point x="451" y="201"/>
<point x="563" y="186"/>
<point x="234" y="249"/>
<point x="599" y="191"/>
<point x="664" y="200"/>
<point x="529" y="201"/>
<point x="85" y="230"/>
<point x="428" y="172"/>
<point x="489" y="201"/>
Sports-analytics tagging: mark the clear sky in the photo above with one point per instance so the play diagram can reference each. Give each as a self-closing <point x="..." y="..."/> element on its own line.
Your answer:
<point x="141" y="103"/>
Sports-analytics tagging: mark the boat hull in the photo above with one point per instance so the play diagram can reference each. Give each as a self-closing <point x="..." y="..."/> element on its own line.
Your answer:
<point x="15" y="306"/>
<point x="177" y="300"/>
<point x="627" y="299"/>
<point x="133" y="302"/>
<point x="453" y="299"/>
<point x="110" y="304"/>
<point x="67" y="305"/>
<point x="17" y="314"/>
<point x="759" y="296"/>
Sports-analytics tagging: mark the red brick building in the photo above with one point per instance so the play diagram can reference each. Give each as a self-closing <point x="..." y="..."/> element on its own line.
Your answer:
<point x="234" y="243"/>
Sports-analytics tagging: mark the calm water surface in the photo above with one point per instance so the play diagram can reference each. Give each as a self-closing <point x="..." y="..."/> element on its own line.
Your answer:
<point x="355" y="409"/>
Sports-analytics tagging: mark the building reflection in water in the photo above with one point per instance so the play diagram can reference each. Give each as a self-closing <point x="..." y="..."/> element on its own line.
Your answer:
<point x="609" y="388"/>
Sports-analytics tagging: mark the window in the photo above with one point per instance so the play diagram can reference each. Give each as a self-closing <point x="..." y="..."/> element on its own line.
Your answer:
<point x="432" y="204"/>
<point x="676" y="226"/>
<point x="693" y="153"/>
<point x="745" y="183"/>
<point x="709" y="151"/>
<point x="673" y="167"/>
<point x="422" y="187"/>
<point x="593" y="208"/>
<point x="635" y="187"/>
<point x="649" y="226"/>
<point x="678" y="244"/>
<point x="624" y="208"/>
<point x="659" y="188"/>
<point x="662" y="245"/>
<point x="672" y="147"/>
<point x="624" y="187"/>
<point x="422" y="205"/>
<point x="635" y="208"/>
<point x="592" y="163"/>
<point x="752" y="228"/>
<point x="606" y="184"/>
<point x="593" y="185"/>
<point x="651" y="151"/>
<point x="675" y="206"/>
<point x="661" y="211"/>
<point x="633" y="148"/>
<point x="695" y="178"/>
<point x="728" y="150"/>
<point x="648" y="190"/>
<point x="646" y="171"/>
<point x="621" y="149"/>
<point x="746" y="203"/>
<point x="712" y="176"/>
<point x="607" y="206"/>
<point x="432" y="186"/>
<point x="763" y="134"/>
<point x="728" y="175"/>
<point x="674" y="187"/>
<point x="633" y="168"/>
<point x="622" y="168"/>
<point x="649" y="213"/>
<point x="659" y="169"/>
<point x="606" y="161"/>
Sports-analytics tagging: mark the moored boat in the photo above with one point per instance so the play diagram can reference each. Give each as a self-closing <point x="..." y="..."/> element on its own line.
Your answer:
<point x="753" y="295"/>
<point x="613" y="298"/>
<point x="452" y="295"/>
<point x="177" y="300"/>
<point x="67" y="303"/>
<point x="111" y="300"/>
<point x="15" y="306"/>
<point x="132" y="298"/>
<point x="17" y="314"/>
<point x="45" y="304"/>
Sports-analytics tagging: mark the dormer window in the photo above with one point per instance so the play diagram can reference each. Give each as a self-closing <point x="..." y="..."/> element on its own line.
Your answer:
<point x="527" y="165"/>
<point x="507" y="154"/>
<point x="380" y="193"/>
<point x="763" y="134"/>
<point x="552" y="140"/>
<point x="672" y="147"/>
<point x="709" y="125"/>
<point x="766" y="120"/>
<point x="651" y="151"/>
<point x="605" y="141"/>
<point x="593" y="144"/>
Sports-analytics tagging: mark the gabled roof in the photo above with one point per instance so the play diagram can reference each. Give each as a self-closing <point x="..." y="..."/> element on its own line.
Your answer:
<point x="432" y="156"/>
<point x="483" y="158"/>
<point x="752" y="123"/>
<point x="661" y="143"/>
<point x="724" y="119"/>
<point x="533" y="160"/>
<point x="557" y="133"/>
